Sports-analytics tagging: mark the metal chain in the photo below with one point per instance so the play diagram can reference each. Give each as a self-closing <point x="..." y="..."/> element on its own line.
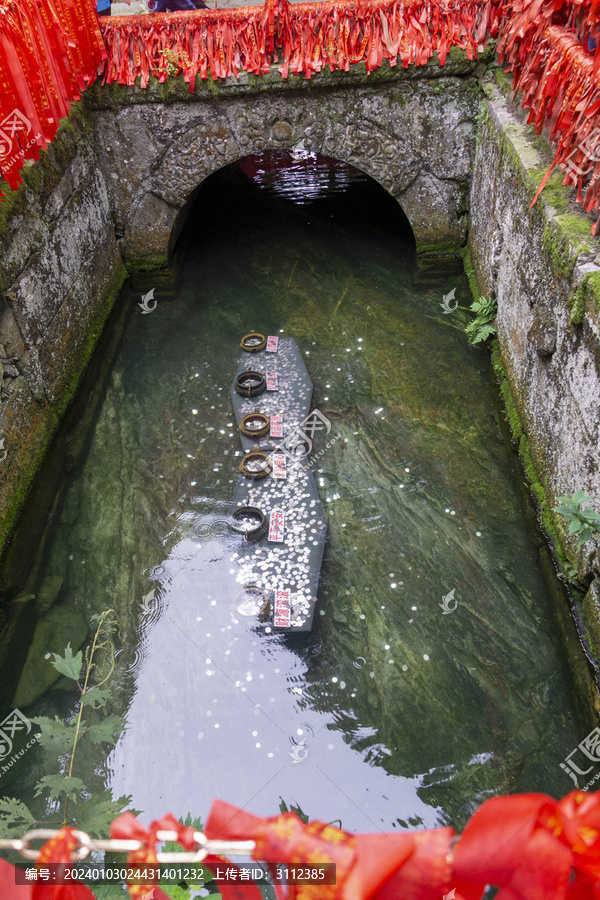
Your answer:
<point x="87" y="844"/>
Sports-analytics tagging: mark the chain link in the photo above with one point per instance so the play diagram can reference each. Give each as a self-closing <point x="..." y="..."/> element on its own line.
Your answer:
<point x="87" y="844"/>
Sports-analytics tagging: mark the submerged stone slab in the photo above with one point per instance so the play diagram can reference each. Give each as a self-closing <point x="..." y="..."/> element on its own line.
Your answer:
<point x="293" y="564"/>
<point x="291" y="400"/>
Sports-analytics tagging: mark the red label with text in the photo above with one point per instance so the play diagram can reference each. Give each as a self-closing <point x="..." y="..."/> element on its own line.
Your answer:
<point x="276" y="523"/>
<point x="272" y="342"/>
<point x="282" y="609"/>
<point x="276" y="426"/>
<point x="279" y="470"/>
<point x="272" y="381"/>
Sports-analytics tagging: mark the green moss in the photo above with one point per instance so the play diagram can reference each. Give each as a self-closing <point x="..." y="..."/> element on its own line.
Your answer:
<point x="438" y="248"/>
<point x="555" y="193"/>
<point x="588" y="290"/>
<point x="559" y="250"/>
<point x="534" y="482"/>
<point x="575" y="224"/>
<point x="470" y="273"/>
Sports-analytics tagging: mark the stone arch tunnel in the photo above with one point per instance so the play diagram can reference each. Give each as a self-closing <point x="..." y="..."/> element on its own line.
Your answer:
<point x="414" y="137"/>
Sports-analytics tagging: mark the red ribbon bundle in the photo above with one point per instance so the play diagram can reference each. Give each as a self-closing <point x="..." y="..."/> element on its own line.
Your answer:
<point x="309" y="36"/>
<point x="49" y="52"/>
<point x="548" y="46"/>
<point x="530" y="846"/>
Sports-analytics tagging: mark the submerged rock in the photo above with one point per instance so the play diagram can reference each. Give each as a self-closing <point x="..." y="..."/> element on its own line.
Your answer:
<point x="49" y="591"/>
<point x="53" y="632"/>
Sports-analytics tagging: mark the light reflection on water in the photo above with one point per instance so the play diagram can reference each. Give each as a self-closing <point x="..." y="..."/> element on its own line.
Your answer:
<point x="390" y="714"/>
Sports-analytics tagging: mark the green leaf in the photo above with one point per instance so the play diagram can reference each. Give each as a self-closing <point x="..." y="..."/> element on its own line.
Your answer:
<point x="54" y="736"/>
<point x="580" y="497"/>
<point x="94" y="814"/>
<point x="68" y="664"/>
<point x="58" y="785"/>
<point x="15" y="818"/>
<point x="95" y="697"/>
<point x="107" y="730"/>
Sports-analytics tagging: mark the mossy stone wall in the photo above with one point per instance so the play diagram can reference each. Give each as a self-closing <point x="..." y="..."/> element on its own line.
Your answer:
<point x="544" y="267"/>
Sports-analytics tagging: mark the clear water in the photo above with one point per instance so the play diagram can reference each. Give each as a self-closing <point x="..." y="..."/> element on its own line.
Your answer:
<point x="390" y="714"/>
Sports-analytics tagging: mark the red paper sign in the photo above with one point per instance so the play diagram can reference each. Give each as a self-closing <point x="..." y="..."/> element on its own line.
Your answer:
<point x="279" y="470"/>
<point x="272" y="381"/>
<point x="272" y="342"/>
<point x="276" y="525"/>
<point x="282" y="609"/>
<point x="277" y="426"/>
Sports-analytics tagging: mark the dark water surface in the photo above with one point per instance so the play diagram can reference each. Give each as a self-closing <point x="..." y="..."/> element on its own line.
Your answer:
<point x="391" y="714"/>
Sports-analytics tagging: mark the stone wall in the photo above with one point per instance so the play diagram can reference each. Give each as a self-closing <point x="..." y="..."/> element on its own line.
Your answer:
<point x="543" y="266"/>
<point x="60" y="272"/>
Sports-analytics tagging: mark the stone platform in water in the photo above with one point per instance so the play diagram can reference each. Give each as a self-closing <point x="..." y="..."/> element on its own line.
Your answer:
<point x="293" y="564"/>
<point x="291" y="400"/>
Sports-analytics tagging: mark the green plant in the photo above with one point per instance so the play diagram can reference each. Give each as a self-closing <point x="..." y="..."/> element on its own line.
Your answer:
<point x="175" y="60"/>
<point x="183" y="891"/>
<point x="584" y="522"/>
<point x="482" y="326"/>
<point x="66" y="794"/>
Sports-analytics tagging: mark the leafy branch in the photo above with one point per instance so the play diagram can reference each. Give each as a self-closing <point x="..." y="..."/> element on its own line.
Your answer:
<point x="483" y="325"/>
<point x="61" y="739"/>
<point x="583" y="521"/>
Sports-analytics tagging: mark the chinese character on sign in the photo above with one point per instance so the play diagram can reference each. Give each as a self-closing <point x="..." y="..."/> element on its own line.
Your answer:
<point x="276" y="525"/>
<point x="279" y="466"/>
<point x="282" y="615"/>
<point x="277" y="426"/>
<point x="272" y="381"/>
<point x="272" y="343"/>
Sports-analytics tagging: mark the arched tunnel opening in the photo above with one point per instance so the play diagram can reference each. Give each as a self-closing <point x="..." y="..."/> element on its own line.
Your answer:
<point x="297" y="190"/>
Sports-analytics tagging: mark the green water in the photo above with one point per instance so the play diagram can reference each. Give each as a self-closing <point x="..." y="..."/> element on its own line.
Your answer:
<point x="391" y="714"/>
